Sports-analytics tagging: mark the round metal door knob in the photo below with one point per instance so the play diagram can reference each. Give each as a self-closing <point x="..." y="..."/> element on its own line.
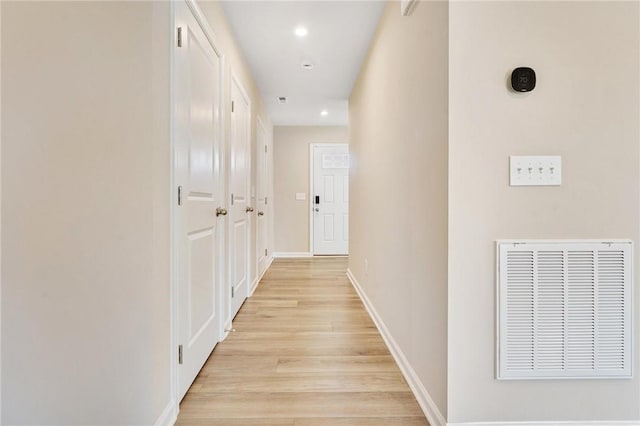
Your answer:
<point x="221" y="212"/>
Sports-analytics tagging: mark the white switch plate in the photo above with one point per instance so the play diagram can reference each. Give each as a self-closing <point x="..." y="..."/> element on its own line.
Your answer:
<point x="539" y="170"/>
<point x="301" y="196"/>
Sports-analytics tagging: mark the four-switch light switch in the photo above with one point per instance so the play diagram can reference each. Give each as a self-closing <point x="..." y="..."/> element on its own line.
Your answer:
<point x="535" y="170"/>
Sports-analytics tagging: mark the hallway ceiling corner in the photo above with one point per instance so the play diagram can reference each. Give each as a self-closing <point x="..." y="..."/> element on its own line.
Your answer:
<point x="335" y="46"/>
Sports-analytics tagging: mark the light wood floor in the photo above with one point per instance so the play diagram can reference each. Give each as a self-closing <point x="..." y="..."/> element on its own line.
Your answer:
<point x="305" y="352"/>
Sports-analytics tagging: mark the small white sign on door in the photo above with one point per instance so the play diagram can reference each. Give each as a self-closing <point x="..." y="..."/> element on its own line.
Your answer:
<point x="335" y="161"/>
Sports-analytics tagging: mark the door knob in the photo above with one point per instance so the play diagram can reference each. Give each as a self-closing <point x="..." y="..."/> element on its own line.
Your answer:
<point x="260" y="213"/>
<point x="248" y="209"/>
<point x="221" y="212"/>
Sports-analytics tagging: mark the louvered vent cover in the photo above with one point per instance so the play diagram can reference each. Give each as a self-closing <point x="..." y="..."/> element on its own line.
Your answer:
<point x="564" y="309"/>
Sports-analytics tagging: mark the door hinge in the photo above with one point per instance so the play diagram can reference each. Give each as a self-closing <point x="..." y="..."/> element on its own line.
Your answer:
<point x="179" y="195"/>
<point x="233" y="292"/>
<point x="265" y="201"/>
<point x="180" y="354"/>
<point x="179" y="36"/>
<point x="265" y="252"/>
<point x="231" y="199"/>
<point x="233" y="106"/>
<point x="265" y="148"/>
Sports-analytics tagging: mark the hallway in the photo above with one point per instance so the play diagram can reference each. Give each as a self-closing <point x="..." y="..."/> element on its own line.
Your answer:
<point x="305" y="352"/>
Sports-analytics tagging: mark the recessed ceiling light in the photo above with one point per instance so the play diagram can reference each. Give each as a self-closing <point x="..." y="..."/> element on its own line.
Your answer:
<point x="324" y="113"/>
<point x="301" y="31"/>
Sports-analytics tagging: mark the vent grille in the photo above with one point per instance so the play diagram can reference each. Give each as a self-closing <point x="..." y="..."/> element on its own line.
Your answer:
<point x="564" y="309"/>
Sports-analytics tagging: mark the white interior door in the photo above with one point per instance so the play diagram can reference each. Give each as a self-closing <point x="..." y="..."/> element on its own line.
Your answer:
<point x="330" y="199"/>
<point x="240" y="210"/>
<point x="262" y="173"/>
<point x="198" y="231"/>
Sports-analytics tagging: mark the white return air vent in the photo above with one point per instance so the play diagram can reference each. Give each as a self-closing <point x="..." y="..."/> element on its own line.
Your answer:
<point x="564" y="309"/>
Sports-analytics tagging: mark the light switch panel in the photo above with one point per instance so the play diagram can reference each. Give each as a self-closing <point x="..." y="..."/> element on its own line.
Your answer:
<point x="539" y="170"/>
<point x="301" y="196"/>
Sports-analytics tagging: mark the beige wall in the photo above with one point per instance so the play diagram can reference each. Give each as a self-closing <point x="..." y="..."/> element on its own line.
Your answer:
<point x="85" y="210"/>
<point x="585" y="108"/>
<point x="398" y="187"/>
<point x="85" y="187"/>
<point x="291" y="175"/>
<point x="235" y="64"/>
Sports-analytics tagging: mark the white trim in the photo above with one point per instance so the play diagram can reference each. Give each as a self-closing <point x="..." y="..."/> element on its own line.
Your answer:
<point x="0" y="214"/>
<point x="173" y="270"/>
<point x="407" y="6"/>
<point x="429" y="407"/>
<point x="169" y="415"/>
<point x="206" y="28"/>
<point x="254" y="286"/>
<point x="260" y="153"/>
<point x="269" y="261"/>
<point x="291" y="254"/>
<point x="553" y="423"/>
<point x="566" y="241"/>
<point x="312" y="146"/>
<point x="228" y="326"/>
<point x="257" y="281"/>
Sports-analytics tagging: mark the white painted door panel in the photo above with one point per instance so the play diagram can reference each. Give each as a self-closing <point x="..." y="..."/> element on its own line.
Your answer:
<point x="262" y="242"/>
<point x="330" y="200"/>
<point x="240" y="172"/>
<point x="197" y="173"/>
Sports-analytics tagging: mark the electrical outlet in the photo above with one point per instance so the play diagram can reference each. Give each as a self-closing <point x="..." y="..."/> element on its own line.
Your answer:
<point x="535" y="170"/>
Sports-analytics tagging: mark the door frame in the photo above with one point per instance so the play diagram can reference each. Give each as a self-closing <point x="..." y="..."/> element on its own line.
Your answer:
<point x="259" y="151"/>
<point x="312" y="147"/>
<point x="243" y="92"/>
<point x="174" y="313"/>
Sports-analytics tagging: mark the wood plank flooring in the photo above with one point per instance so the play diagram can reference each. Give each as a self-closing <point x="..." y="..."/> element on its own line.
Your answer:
<point x="305" y="352"/>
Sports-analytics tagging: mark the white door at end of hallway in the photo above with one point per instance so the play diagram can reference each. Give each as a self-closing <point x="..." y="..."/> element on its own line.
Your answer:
<point x="198" y="232"/>
<point x="241" y="209"/>
<point x="330" y="199"/>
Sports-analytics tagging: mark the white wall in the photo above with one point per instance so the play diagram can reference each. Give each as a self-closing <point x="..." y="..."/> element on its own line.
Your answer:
<point x="398" y="185"/>
<point x="585" y="108"/>
<point x="291" y="175"/>
<point x="85" y="196"/>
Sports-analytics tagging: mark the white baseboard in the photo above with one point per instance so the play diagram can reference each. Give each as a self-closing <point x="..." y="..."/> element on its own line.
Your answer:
<point x="169" y="415"/>
<point x="429" y="407"/>
<point x="552" y="423"/>
<point x="254" y="286"/>
<point x="227" y="329"/>
<point x="292" y="254"/>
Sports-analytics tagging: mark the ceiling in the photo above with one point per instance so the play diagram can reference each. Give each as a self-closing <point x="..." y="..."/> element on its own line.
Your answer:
<point x="339" y="34"/>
